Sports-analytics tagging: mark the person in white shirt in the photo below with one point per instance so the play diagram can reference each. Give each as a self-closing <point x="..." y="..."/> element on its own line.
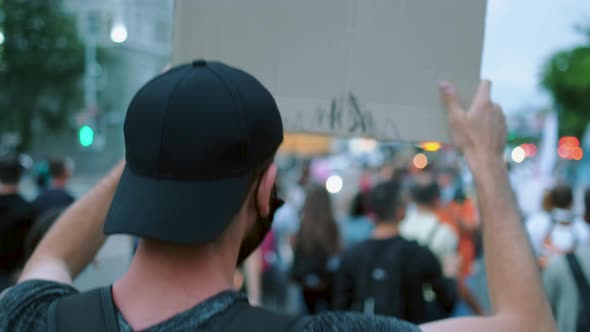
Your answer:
<point x="558" y="231"/>
<point x="561" y="285"/>
<point x="424" y="226"/>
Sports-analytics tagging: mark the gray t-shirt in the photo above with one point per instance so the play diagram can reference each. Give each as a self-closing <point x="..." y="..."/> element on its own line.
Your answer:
<point x="561" y="289"/>
<point x="25" y="308"/>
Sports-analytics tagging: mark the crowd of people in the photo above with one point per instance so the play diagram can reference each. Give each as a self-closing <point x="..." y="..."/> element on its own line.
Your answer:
<point x="23" y="223"/>
<point x="200" y="194"/>
<point x="407" y="251"/>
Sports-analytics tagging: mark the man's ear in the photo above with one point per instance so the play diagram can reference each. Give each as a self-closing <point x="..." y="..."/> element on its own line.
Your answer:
<point x="265" y="189"/>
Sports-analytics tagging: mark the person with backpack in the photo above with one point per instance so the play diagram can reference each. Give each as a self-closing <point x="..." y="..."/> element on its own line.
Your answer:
<point x="386" y="274"/>
<point x="424" y="225"/>
<point x="559" y="230"/>
<point x="567" y="283"/>
<point x="197" y="187"/>
<point x="317" y="245"/>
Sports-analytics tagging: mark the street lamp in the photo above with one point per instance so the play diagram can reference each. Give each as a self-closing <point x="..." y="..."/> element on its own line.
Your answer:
<point x="119" y="33"/>
<point x="1" y="37"/>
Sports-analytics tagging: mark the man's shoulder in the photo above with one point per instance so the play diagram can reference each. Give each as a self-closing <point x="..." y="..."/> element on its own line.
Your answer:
<point x="25" y="306"/>
<point x="405" y="247"/>
<point x="349" y="321"/>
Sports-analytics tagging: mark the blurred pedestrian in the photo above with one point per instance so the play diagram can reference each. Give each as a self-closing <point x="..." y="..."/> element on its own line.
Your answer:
<point x="424" y="226"/>
<point x="16" y="220"/>
<point x="558" y="231"/>
<point x="316" y="246"/>
<point x="567" y="283"/>
<point x="278" y="290"/>
<point x="358" y="226"/>
<point x="56" y="196"/>
<point x="461" y="215"/>
<point x="386" y="274"/>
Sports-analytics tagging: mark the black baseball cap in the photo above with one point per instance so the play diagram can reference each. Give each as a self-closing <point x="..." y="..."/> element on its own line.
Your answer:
<point x="194" y="136"/>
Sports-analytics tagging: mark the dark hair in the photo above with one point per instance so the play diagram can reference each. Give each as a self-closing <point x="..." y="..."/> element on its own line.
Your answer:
<point x="587" y="205"/>
<point x="57" y="168"/>
<point x="562" y="197"/>
<point x="460" y="195"/>
<point x="426" y="194"/>
<point x="318" y="232"/>
<point x="385" y="199"/>
<point x="358" y="206"/>
<point x="10" y="170"/>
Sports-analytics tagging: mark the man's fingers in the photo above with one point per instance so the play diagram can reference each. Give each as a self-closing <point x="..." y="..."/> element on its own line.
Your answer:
<point x="449" y="96"/>
<point x="482" y="95"/>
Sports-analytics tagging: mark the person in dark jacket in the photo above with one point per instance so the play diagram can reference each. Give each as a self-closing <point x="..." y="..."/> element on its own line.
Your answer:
<point x="56" y="196"/>
<point x="387" y="274"/>
<point x="316" y="246"/>
<point x="16" y="219"/>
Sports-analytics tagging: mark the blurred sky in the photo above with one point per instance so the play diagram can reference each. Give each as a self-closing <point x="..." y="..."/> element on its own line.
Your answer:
<point x="520" y="36"/>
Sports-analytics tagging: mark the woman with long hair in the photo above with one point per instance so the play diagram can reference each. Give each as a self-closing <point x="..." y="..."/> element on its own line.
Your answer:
<point x="316" y="246"/>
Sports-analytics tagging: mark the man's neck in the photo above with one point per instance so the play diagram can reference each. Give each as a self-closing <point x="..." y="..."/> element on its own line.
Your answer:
<point x="425" y="209"/>
<point x="159" y="285"/>
<point x="8" y="189"/>
<point x="385" y="230"/>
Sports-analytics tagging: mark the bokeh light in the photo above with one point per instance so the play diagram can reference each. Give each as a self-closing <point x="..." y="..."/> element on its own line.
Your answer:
<point x="119" y="33"/>
<point x="420" y="161"/>
<point x="334" y="184"/>
<point x="518" y="154"/>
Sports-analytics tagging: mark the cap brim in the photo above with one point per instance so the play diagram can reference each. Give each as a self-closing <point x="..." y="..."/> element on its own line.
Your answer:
<point x="181" y="212"/>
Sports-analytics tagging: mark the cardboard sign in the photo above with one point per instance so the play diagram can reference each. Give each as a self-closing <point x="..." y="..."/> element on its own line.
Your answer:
<point x="344" y="67"/>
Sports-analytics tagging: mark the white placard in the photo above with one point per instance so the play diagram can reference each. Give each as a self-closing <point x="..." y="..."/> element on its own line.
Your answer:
<point x="344" y="67"/>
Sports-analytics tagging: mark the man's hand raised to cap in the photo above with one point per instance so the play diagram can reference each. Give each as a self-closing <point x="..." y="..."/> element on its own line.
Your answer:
<point x="479" y="133"/>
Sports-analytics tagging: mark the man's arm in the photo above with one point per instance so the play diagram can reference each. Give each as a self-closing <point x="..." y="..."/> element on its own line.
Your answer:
<point x="515" y="287"/>
<point x="76" y="236"/>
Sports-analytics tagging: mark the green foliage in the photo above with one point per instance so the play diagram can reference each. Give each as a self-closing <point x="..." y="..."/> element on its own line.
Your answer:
<point x="41" y="66"/>
<point x="567" y="77"/>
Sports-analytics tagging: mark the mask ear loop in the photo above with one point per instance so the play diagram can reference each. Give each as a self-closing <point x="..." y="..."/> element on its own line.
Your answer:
<point x="275" y="204"/>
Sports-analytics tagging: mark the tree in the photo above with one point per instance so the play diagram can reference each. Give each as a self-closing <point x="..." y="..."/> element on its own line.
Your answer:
<point x="567" y="78"/>
<point x="41" y="65"/>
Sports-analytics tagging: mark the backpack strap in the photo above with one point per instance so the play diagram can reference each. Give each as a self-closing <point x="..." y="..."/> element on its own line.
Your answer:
<point x="244" y="317"/>
<point x="91" y="311"/>
<point x="432" y="234"/>
<point x="579" y="277"/>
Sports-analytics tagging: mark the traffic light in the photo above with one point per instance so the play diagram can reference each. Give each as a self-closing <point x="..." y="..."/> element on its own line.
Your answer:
<point x="86" y="136"/>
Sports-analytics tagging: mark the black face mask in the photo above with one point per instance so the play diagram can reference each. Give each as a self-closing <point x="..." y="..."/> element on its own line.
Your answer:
<point x="262" y="226"/>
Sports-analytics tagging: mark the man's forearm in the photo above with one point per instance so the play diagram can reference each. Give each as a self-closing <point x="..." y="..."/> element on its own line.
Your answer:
<point x="76" y="237"/>
<point x="514" y="282"/>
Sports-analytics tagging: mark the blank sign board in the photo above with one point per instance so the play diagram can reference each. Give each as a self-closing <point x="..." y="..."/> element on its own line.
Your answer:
<point x="344" y="67"/>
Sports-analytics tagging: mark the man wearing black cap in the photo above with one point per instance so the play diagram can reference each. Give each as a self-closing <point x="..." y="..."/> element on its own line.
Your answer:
<point x="198" y="188"/>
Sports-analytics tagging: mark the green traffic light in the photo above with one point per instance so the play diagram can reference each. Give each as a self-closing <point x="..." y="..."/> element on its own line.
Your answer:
<point x="86" y="136"/>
